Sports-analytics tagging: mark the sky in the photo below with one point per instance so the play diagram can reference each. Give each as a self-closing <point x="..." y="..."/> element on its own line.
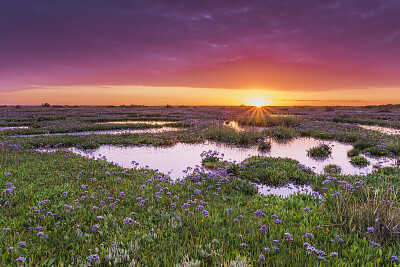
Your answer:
<point x="226" y="52"/>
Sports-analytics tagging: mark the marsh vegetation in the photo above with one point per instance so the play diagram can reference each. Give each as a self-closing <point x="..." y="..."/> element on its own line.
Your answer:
<point x="60" y="207"/>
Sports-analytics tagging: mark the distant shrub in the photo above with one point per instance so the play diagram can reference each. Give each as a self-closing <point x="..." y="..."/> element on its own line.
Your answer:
<point x="281" y="133"/>
<point x="333" y="169"/>
<point x="359" y="161"/>
<point x="228" y="135"/>
<point x="321" y="151"/>
<point x="264" y="145"/>
<point x="267" y="120"/>
<point x="330" y="109"/>
<point x="353" y="152"/>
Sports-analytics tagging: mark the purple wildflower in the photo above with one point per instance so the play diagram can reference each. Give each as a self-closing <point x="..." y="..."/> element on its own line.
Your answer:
<point x="20" y="259"/>
<point x="259" y="213"/>
<point x="338" y="238"/>
<point x="308" y="235"/>
<point x="374" y="244"/>
<point x="94" y="257"/>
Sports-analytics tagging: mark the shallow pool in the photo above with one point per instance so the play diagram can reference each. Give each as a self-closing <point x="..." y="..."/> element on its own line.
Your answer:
<point x="175" y="159"/>
<point x="13" y="128"/>
<point x="120" y="131"/>
<point x="384" y="130"/>
<point x="138" y="122"/>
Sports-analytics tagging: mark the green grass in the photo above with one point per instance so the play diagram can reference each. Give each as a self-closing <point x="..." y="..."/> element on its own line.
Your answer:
<point x="264" y="119"/>
<point x="269" y="170"/>
<point x="332" y="169"/>
<point x="264" y="145"/>
<point x="231" y="136"/>
<point x="353" y="152"/>
<point x="166" y="234"/>
<point x="357" y="203"/>
<point x="321" y="151"/>
<point x="281" y="133"/>
<point x="359" y="161"/>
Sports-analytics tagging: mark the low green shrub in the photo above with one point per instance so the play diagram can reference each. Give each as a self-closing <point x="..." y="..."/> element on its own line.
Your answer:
<point x="353" y="152"/>
<point x="265" y="119"/>
<point x="264" y="145"/>
<point x="332" y="169"/>
<point x="231" y="136"/>
<point x="270" y="170"/>
<point x="321" y="151"/>
<point x="281" y="133"/>
<point x="359" y="161"/>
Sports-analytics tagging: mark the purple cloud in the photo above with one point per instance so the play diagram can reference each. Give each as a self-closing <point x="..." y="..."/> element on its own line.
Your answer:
<point x="289" y="45"/>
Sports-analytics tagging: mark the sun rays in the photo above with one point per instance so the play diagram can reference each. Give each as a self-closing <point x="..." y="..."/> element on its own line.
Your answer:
<point x="257" y="115"/>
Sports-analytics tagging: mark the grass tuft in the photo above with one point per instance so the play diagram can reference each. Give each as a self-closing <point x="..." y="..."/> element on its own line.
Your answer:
<point x="321" y="151"/>
<point x="359" y="161"/>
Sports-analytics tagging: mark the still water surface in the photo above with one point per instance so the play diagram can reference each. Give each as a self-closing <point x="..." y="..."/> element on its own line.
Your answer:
<point x="138" y="122"/>
<point x="175" y="159"/>
<point x="13" y="128"/>
<point x="384" y="130"/>
<point x="121" y="131"/>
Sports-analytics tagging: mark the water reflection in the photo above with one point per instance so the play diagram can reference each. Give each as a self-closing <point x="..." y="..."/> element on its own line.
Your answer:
<point x="176" y="159"/>
<point x="14" y="128"/>
<point x="236" y="126"/>
<point x="286" y="190"/>
<point x="121" y="131"/>
<point x="384" y="130"/>
<point x="138" y="122"/>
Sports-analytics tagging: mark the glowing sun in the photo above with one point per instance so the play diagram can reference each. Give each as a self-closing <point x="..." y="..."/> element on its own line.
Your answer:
<point x="258" y="102"/>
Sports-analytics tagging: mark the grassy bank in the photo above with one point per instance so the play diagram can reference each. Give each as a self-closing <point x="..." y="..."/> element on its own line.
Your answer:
<point x="59" y="208"/>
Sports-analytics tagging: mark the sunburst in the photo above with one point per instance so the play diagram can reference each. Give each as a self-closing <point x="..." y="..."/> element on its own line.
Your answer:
<point x="258" y="102"/>
<point x="257" y="115"/>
